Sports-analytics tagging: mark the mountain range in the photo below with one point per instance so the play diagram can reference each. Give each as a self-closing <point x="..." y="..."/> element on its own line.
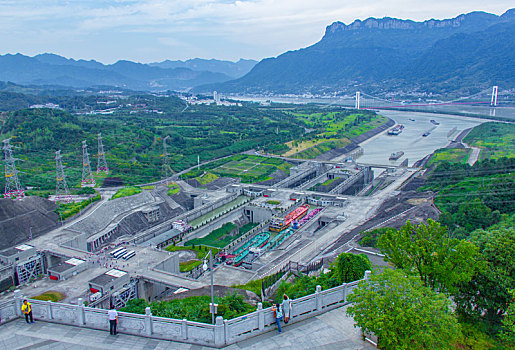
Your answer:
<point x="468" y="52"/>
<point x="459" y="55"/>
<point x="51" y="69"/>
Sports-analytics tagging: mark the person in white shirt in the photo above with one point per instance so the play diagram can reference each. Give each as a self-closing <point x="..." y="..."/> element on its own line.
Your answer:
<point x="113" y="320"/>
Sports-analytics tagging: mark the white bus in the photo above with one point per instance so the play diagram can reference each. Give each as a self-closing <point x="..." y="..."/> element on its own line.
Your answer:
<point x="128" y="255"/>
<point x="116" y="251"/>
<point x="120" y="254"/>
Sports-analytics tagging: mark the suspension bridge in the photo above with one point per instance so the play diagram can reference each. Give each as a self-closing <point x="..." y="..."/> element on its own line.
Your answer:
<point x="488" y="99"/>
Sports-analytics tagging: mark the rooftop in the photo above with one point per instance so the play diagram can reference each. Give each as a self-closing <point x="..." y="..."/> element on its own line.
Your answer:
<point x="108" y="277"/>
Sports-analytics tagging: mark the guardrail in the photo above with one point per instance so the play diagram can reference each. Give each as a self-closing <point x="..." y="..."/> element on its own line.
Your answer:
<point x="222" y="333"/>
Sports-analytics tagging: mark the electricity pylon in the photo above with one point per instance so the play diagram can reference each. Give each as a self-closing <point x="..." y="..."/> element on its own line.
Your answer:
<point x="13" y="187"/>
<point x="101" y="161"/>
<point x="87" y="177"/>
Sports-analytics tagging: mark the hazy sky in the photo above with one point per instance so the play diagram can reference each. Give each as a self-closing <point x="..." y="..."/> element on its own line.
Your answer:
<point x="154" y="30"/>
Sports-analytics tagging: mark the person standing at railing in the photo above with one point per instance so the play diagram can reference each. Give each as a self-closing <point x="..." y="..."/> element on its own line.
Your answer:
<point x="286" y="306"/>
<point x="113" y="320"/>
<point x="278" y="314"/>
<point x="26" y="308"/>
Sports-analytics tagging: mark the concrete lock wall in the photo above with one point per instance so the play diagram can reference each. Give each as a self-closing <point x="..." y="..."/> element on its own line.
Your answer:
<point x="222" y="333"/>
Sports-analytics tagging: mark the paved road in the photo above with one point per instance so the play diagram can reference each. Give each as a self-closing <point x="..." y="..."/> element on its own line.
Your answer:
<point x="332" y="330"/>
<point x="474" y="155"/>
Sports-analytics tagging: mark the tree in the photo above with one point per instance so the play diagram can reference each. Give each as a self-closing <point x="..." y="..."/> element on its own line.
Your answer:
<point x="402" y="312"/>
<point x="350" y="267"/>
<point x="487" y="294"/>
<point x="508" y="322"/>
<point x="428" y="251"/>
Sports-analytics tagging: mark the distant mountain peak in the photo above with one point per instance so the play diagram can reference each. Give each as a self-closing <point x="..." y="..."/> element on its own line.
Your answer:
<point x="387" y="23"/>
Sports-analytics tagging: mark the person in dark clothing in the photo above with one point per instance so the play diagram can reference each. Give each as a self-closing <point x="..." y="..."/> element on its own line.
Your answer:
<point x="113" y="320"/>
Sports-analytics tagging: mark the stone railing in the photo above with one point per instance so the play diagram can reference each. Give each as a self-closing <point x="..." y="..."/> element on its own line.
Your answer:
<point x="222" y="333"/>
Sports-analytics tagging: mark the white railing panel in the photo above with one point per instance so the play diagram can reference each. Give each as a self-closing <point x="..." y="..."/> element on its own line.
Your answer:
<point x="131" y="323"/>
<point x="63" y="313"/>
<point x="332" y="297"/>
<point x="201" y="332"/>
<point x="166" y="328"/>
<point x="240" y="328"/>
<point x="7" y="311"/>
<point x="96" y="318"/>
<point x="304" y="307"/>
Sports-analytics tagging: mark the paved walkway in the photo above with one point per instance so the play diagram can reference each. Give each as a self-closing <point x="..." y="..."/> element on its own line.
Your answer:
<point x="332" y="330"/>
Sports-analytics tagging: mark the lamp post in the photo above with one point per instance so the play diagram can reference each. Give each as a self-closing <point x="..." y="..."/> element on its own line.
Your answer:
<point x="212" y="307"/>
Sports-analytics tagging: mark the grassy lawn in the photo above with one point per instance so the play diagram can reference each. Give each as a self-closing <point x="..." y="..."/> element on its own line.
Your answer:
<point x="150" y="187"/>
<point x="187" y="266"/>
<point x="253" y="286"/>
<point x="222" y="236"/>
<point x="127" y="191"/>
<point x="453" y="155"/>
<point x="173" y="188"/>
<point x="70" y="209"/>
<point x="249" y="168"/>
<point x="496" y="140"/>
<point x="333" y="130"/>
<point x="200" y="251"/>
<point x="328" y="182"/>
<point x="50" y="295"/>
<point x="272" y="202"/>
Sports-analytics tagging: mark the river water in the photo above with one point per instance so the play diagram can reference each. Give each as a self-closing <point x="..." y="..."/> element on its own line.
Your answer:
<point x="377" y="150"/>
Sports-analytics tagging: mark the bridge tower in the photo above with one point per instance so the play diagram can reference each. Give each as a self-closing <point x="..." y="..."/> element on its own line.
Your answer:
<point x="13" y="187"/>
<point x="87" y="177"/>
<point x="101" y="161"/>
<point x="166" y="165"/>
<point x="493" y="102"/>
<point x="62" y="194"/>
<point x="358" y="97"/>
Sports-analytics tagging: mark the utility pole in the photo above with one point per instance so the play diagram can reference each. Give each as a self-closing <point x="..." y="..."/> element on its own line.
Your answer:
<point x="87" y="177"/>
<point x="62" y="194"/>
<point x="101" y="161"/>
<point x="13" y="187"/>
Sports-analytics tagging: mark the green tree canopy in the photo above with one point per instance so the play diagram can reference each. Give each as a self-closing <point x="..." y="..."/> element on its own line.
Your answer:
<point x="350" y="267"/>
<point x="487" y="294"/>
<point x="427" y="251"/>
<point x="402" y="312"/>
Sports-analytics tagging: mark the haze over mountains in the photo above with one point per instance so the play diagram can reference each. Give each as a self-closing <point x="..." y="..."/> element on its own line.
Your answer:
<point x="466" y="53"/>
<point x="50" y="69"/>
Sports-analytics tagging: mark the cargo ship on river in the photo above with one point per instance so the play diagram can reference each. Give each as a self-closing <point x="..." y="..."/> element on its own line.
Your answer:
<point x="396" y="155"/>
<point x="396" y="130"/>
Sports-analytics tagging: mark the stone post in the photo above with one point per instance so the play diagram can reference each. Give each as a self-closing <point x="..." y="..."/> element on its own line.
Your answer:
<point x="18" y="300"/>
<point x="367" y="274"/>
<point x="184" y="329"/>
<point x="261" y="316"/>
<point x="344" y="292"/>
<point x="80" y="312"/>
<point x="219" y="332"/>
<point x="318" y="298"/>
<point x="49" y="309"/>
<point x="148" y="321"/>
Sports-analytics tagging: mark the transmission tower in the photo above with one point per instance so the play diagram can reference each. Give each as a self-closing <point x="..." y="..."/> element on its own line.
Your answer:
<point x="356" y="104"/>
<point x="13" y="187"/>
<point x="101" y="161"/>
<point x="62" y="194"/>
<point x="493" y="103"/>
<point x="87" y="177"/>
<point x="166" y="165"/>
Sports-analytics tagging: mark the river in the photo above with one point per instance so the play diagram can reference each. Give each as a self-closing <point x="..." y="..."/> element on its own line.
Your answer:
<point x="378" y="149"/>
